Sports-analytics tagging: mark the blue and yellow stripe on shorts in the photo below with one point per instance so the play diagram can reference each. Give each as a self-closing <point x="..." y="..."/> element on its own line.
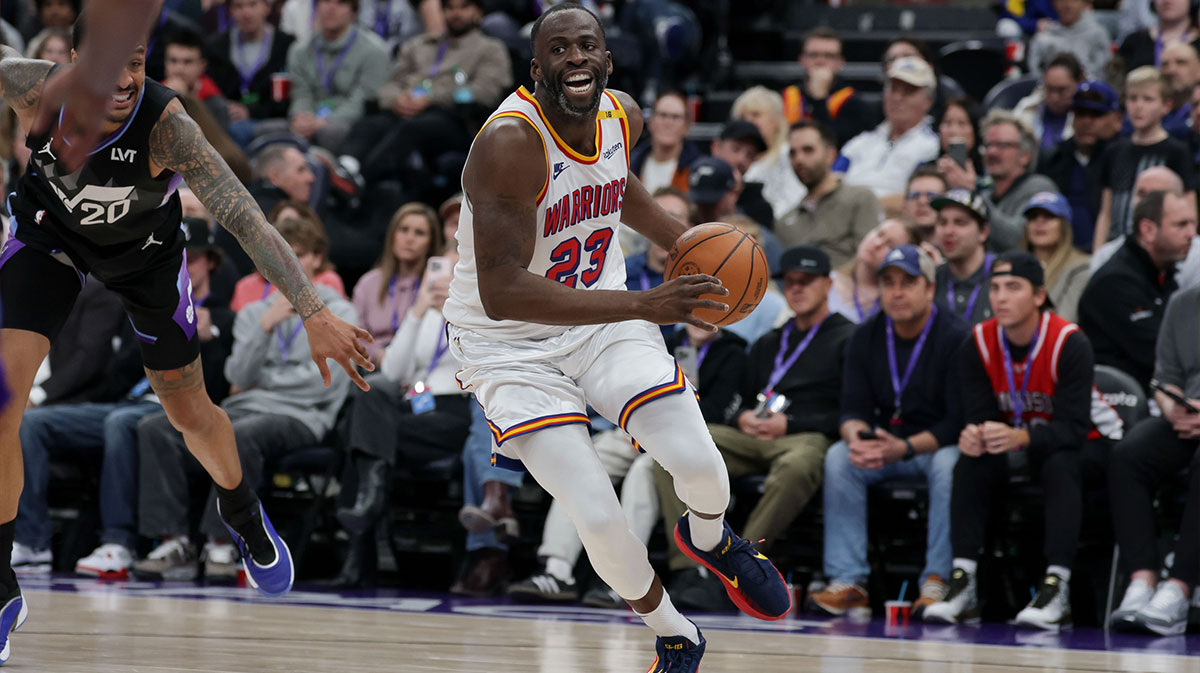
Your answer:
<point x="535" y="425"/>
<point x="676" y="385"/>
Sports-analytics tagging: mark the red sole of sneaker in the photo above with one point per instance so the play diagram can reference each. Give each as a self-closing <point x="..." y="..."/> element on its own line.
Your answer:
<point x="733" y="592"/>
<point x="103" y="574"/>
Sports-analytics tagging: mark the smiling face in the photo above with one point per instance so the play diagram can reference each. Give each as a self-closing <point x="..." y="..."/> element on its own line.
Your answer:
<point x="571" y="62"/>
<point x="127" y="88"/>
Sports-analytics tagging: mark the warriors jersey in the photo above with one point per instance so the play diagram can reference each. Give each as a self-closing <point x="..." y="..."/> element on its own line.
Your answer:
<point x="578" y="215"/>
<point x="113" y="198"/>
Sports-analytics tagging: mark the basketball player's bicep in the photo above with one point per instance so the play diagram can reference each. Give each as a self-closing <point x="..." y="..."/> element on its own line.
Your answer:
<point x="21" y="79"/>
<point x="503" y="178"/>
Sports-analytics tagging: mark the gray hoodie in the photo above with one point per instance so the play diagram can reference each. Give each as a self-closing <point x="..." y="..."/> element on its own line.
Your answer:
<point x="1087" y="40"/>
<point x="289" y="384"/>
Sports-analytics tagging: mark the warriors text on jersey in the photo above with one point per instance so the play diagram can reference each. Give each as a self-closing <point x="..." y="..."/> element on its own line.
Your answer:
<point x="578" y="215"/>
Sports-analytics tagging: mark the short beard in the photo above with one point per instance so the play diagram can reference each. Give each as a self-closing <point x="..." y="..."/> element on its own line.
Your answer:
<point x="559" y="96"/>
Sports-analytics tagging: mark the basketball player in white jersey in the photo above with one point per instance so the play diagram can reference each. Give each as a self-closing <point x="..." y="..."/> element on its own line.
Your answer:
<point x="541" y="322"/>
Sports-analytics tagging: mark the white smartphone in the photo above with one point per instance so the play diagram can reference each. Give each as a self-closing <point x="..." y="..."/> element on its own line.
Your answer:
<point x="439" y="267"/>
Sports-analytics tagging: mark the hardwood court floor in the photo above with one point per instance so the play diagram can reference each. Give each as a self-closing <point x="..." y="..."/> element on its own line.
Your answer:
<point x="119" y="631"/>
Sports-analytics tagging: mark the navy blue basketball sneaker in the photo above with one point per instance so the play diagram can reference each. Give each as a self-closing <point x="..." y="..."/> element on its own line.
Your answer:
<point x="677" y="654"/>
<point x="273" y="575"/>
<point x="751" y="580"/>
<point x="12" y="616"/>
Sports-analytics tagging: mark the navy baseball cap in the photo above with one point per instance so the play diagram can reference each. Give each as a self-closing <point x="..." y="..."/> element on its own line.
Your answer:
<point x="197" y="233"/>
<point x="911" y="260"/>
<point x="740" y="129"/>
<point x="1096" y="96"/>
<point x="807" y="258"/>
<point x="709" y="179"/>
<point x="1051" y="202"/>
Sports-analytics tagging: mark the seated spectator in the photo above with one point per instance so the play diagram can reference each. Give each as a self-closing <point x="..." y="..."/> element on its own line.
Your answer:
<point x="883" y="158"/>
<point x="1146" y="96"/>
<point x="1009" y="157"/>
<point x="790" y="400"/>
<point x="187" y="73"/>
<point x="833" y="216"/>
<point x="715" y="188"/>
<point x="384" y="295"/>
<point x="821" y="96"/>
<point x="242" y="61"/>
<point x="855" y="288"/>
<point x="110" y="427"/>
<point x="959" y="126"/>
<point x="961" y="234"/>
<point x="764" y="108"/>
<point x="334" y="73"/>
<point x="51" y="44"/>
<point x="52" y="14"/>
<point x="1181" y="68"/>
<point x="1048" y="109"/>
<point x="281" y="405"/>
<point x="1155" y="178"/>
<point x="906" y="45"/>
<point x="1075" y="165"/>
<point x="1153" y="452"/>
<point x="1048" y="237"/>
<point x="926" y="184"/>
<point x="1122" y="306"/>
<point x="415" y="411"/>
<point x="255" y="287"/>
<point x="432" y="102"/>
<point x="1076" y="32"/>
<point x="664" y="161"/>
<point x="1047" y="419"/>
<point x="1176" y="23"/>
<point x="740" y="145"/>
<point x="394" y="21"/>
<point x="900" y="419"/>
<point x="281" y="172"/>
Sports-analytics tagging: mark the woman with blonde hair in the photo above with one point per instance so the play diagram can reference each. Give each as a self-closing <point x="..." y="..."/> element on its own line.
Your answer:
<point x="1048" y="236"/>
<point x="781" y="188"/>
<point x="52" y="44"/>
<point x="855" y="291"/>
<point x="384" y="294"/>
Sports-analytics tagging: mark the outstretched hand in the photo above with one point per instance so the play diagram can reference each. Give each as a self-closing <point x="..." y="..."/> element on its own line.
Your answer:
<point x="81" y="108"/>
<point x="330" y="337"/>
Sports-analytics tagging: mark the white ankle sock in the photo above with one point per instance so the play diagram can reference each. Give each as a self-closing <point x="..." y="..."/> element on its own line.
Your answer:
<point x="666" y="621"/>
<point x="559" y="568"/>
<point x="966" y="564"/>
<point x="1064" y="573"/>
<point x="706" y="533"/>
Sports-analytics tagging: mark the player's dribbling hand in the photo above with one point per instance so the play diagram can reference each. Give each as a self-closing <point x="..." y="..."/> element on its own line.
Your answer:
<point x="80" y="121"/>
<point x="674" y="301"/>
<point x="330" y="337"/>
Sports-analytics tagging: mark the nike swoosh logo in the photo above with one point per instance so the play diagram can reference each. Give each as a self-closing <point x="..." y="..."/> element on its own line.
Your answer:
<point x="732" y="582"/>
<point x="758" y="555"/>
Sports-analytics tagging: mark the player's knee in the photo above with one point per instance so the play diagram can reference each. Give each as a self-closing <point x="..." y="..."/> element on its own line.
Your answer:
<point x="191" y="419"/>
<point x="600" y="522"/>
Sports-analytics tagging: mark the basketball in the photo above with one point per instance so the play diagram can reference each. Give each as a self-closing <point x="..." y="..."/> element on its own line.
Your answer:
<point x="724" y="251"/>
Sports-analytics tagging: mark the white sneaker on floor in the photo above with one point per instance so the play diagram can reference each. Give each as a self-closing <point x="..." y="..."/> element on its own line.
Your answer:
<point x="1050" y="609"/>
<point x="1136" y="597"/>
<point x="1166" y="614"/>
<point x="110" y="561"/>
<point x="221" y="562"/>
<point x="961" y="605"/>
<point x="28" y="561"/>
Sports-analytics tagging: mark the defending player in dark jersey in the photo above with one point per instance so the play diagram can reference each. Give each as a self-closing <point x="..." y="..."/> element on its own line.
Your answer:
<point x="117" y="217"/>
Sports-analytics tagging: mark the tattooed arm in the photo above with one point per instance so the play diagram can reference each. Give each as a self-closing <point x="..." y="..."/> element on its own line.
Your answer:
<point x="177" y="144"/>
<point x="21" y="81"/>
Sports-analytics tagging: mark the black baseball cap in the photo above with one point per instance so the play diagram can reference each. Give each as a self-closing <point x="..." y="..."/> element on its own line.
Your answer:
<point x="807" y="258"/>
<point x="740" y="129"/>
<point x="709" y="179"/>
<point x="198" y="234"/>
<point x="1023" y="264"/>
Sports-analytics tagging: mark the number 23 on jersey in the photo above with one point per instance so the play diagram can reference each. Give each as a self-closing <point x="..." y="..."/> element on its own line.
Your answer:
<point x="569" y="255"/>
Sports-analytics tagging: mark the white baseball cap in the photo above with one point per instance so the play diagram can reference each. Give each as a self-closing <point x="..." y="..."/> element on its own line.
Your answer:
<point x="912" y="70"/>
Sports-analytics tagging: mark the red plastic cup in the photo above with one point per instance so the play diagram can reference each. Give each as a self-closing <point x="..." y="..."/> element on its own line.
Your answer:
<point x="898" y="612"/>
<point x="281" y="87"/>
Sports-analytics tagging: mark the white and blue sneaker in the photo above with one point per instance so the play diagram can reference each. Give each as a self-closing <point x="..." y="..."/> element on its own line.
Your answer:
<point x="12" y="616"/>
<point x="275" y="575"/>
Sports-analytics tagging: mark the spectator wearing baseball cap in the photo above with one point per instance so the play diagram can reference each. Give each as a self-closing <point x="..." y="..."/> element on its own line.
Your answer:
<point x="740" y="144"/>
<point x="900" y="418"/>
<point x="1048" y="236"/>
<point x="1075" y="165"/>
<point x="961" y="233"/>
<point x="883" y="158"/>
<point x="715" y="188"/>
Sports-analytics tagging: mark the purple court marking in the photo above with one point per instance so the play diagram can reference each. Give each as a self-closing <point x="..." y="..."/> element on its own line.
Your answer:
<point x="439" y="603"/>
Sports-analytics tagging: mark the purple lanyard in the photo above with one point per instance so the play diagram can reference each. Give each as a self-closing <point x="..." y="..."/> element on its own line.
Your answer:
<point x="862" y="316"/>
<point x="899" y="384"/>
<point x="782" y="366"/>
<point x="247" y="76"/>
<point x="442" y="345"/>
<point x="383" y="17"/>
<point x="285" y="344"/>
<point x="987" y="268"/>
<point x="392" y="295"/>
<point x="326" y="78"/>
<point x="700" y="353"/>
<point x="1017" y="397"/>
<point x="222" y="18"/>
<point x="437" y="60"/>
<point x="646" y="281"/>
<point x="266" y="289"/>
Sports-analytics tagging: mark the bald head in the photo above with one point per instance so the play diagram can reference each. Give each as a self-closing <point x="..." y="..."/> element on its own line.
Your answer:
<point x="1156" y="179"/>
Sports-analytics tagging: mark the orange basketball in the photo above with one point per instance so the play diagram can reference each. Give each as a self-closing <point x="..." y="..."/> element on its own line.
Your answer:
<point x="724" y="251"/>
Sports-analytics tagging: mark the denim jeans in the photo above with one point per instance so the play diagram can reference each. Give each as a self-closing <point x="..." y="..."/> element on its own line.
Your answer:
<point x="477" y="469"/>
<point x="74" y="429"/>
<point x="846" y="510"/>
